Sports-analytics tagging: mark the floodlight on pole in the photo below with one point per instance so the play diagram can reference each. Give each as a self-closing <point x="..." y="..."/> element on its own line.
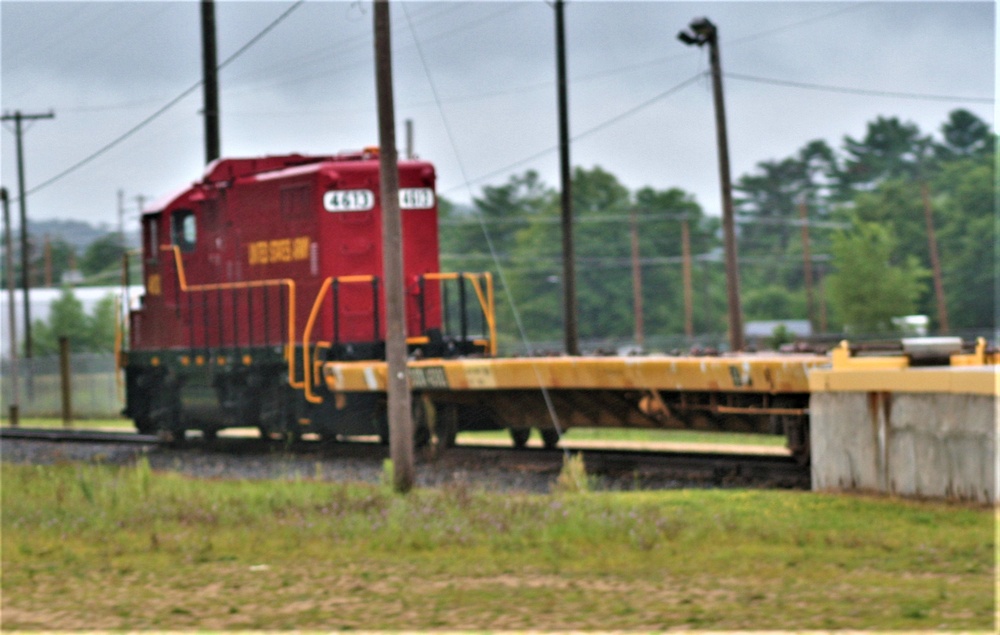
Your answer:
<point x="701" y="32"/>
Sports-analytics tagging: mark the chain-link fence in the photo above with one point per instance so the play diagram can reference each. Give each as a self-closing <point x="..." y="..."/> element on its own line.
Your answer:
<point x="95" y="389"/>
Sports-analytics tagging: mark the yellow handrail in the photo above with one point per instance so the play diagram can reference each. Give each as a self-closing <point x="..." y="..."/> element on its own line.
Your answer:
<point x="252" y="284"/>
<point x="486" y="300"/>
<point x="307" y="333"/>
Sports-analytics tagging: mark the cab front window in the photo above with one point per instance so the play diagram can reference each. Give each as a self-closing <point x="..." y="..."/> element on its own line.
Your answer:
<point x="184" y="229"/>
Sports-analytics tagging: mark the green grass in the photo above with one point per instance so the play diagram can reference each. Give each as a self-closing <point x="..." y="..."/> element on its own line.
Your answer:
<point x="98" y="547"/>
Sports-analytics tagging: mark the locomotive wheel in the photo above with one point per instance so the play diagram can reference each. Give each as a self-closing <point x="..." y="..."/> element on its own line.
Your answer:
<point x="520" y="436"/>
<point x="550" y="438"/>
<point x="144" y="425"/>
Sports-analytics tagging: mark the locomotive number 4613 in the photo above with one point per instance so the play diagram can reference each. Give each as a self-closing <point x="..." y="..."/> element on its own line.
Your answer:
<point x="364" y="200"/>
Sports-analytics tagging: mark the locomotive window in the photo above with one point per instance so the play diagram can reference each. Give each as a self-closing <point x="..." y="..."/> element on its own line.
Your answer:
<point x="183" y="229"/>
<point x="152" y="224"/>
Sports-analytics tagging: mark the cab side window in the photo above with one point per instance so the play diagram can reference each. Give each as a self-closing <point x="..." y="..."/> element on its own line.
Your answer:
<point x="183" y="229"/>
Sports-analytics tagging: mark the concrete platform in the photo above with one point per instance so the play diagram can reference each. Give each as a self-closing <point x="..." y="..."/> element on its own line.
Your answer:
<point x="915" y="432"/>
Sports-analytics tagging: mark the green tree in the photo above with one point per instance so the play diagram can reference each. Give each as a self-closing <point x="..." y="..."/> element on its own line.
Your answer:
<point x="103" y="255"/>
<point x="495" y="220"/>
<point x="100" y="333"/>
<point x="870" y="286"/>
<point x="772" y="302"/>
<point x="769" y="202"/>
<point x="87" y="334"/>
<point x="967" y="233"/>
<point x="965" y="135"/>
<point x="661" y="214"/>
<point x="890" y="149"/>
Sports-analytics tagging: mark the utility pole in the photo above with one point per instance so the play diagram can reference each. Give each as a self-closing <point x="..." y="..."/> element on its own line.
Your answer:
<point x="640" y="335"/>
<point x="121" y="217"/>
<point x="409" y="139"/>
<point x="11" y="313"/>
<point x="19" y="118"/>
<point x="47" y="260"/>
<point x="942" y="308"/>
<point x="704" y="32"/>
<point x="807" y="262"/>
<point x="686" y="269"/>
<point x="211" y="77"/>
<point x="569" y="273"/>
<point x="397" y="384"/>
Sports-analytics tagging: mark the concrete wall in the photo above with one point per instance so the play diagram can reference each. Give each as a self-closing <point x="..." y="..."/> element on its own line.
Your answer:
<point x="921" y="444"/>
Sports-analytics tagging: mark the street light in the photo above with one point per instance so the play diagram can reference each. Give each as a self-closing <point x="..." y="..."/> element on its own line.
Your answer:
<point x="702" y="32"/>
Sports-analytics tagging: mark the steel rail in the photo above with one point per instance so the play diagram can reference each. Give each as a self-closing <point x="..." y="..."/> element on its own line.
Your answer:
<point x="77" y="436"/>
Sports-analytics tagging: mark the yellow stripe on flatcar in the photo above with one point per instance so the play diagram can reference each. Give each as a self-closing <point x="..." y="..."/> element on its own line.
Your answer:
<point x="747" y="373"/>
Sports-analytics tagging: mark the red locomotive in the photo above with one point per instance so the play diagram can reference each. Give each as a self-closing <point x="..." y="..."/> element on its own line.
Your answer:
<point x="268" y="267"/>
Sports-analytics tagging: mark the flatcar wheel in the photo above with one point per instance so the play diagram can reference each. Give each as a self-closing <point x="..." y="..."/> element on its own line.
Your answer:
<point x="172" y="438"/>
<point x="550" y="438"/>
<point x="421" y="429"/>
<point x="520" y="436"/>
<point x="446" y="426"/>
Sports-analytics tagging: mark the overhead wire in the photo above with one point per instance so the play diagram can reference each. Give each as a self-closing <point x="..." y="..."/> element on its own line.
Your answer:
<point x="597" y="128"/>
<point x="549" y="405"/>
<point x="163" y="109"/>
<point x="857" y="91"/>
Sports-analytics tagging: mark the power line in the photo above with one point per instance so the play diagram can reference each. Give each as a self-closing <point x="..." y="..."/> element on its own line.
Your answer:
<point x="858" y="91"/>
<point x="173" y="102"/>
<point x="585" y="133"/>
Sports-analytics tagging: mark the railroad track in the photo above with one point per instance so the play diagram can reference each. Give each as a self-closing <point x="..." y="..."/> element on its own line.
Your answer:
<point x="623" y="468"/>
<point x="76" y="435"/>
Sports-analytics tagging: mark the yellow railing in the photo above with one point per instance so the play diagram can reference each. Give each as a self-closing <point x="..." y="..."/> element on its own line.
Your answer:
<point x="310" y="365"/>
<point x="311" y="322"/>
<point x="485" y="297"/>
<point x="289" y="354"/>
<point x="482" y="285"/>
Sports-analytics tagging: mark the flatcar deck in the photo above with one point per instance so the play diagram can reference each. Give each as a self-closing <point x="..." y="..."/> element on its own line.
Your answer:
<point x="772" y="374"/>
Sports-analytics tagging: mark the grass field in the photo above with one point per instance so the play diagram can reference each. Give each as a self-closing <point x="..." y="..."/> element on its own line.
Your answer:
<point x="106" y="548"/>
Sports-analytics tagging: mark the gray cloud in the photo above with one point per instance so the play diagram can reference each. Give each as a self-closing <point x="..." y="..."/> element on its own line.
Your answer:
<point x="308" y="86"/>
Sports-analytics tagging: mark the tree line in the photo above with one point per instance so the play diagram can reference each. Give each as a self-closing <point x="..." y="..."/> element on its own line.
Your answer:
<point x="866" y="204"/>
<point x="54" y="261"/>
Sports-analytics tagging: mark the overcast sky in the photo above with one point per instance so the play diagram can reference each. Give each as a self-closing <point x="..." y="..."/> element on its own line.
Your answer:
<point x="478" y="81"/>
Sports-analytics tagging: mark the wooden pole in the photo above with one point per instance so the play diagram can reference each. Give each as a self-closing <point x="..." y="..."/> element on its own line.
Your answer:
<point x="65" y="382"/>
<point x="640" y="334"/>
<point x="11" y="309"/>
<point x="571" y="334"/>
<point x="397" y="384"/>
<point x="942" y="307"/>
<point x="807" y="263"/>
<point x="686" y="268"/>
